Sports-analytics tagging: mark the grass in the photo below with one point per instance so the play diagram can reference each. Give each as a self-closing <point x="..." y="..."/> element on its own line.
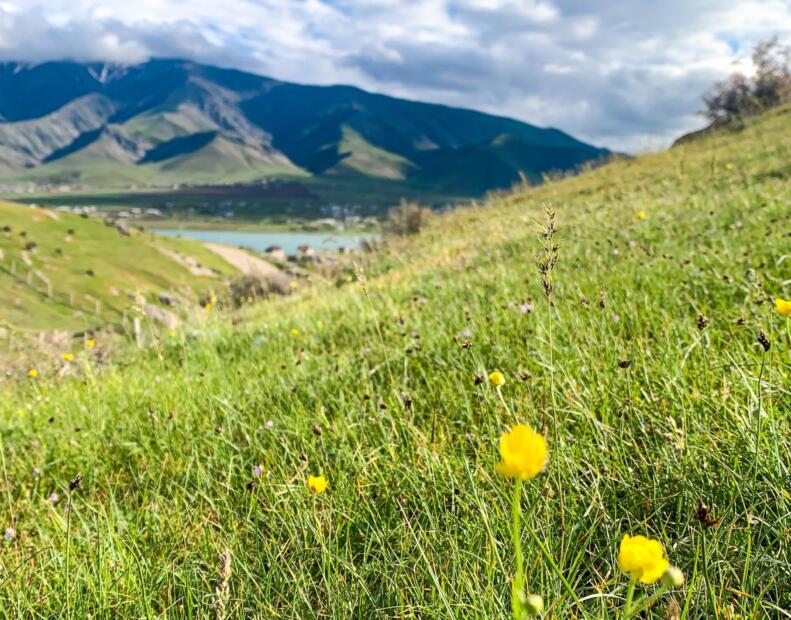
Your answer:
<point x="655" y="425"/>
<point x="79" y="273"/>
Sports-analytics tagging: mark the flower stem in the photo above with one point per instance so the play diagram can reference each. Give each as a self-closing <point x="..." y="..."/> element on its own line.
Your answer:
<point x="627" y="608"/>
<point x="645" y="603"/>
<point x="517" y="585"/>
<point x="505" y="405"/>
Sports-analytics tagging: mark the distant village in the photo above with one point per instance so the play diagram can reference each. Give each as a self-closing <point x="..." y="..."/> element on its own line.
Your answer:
<point x="337" y="217"/>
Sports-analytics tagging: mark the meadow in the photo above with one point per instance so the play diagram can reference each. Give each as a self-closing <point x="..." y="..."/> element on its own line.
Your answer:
<point x="173" y="483"/>
<point x="65" y="272"/>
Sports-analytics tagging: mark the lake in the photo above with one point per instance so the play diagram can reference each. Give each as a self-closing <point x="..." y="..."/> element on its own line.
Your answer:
<point x="259" y="241"/>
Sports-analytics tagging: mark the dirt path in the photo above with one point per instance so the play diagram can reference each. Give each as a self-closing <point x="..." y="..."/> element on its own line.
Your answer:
<point x="250" y="265"/>
<point x="187" y="262"/>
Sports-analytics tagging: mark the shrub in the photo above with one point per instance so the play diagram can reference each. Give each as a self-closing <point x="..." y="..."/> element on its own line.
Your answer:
<point x="253" y="286"/>
<point x="408" y="218"/>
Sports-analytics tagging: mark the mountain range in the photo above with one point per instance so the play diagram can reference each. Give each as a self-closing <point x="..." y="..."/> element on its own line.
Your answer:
<point x="166" y="122"/>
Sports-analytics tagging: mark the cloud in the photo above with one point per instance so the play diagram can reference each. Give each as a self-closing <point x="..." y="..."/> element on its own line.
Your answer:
<point x="628" y="76"/>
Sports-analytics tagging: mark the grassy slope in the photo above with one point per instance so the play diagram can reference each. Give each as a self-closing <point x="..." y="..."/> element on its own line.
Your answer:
<point x="411" y="528"/>
<point x="122" y="263"/>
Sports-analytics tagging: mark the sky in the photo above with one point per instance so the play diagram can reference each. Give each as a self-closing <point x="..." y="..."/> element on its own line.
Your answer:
<point x="627" y="75"/>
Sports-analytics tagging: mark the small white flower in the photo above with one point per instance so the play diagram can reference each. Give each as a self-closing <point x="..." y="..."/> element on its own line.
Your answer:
<point x="10" y="533"/>
<point x="269" y="424"/>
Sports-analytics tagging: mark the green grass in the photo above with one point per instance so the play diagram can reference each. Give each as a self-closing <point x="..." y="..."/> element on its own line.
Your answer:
<point x="76" y="299"/>
<point x="416" y="523"/>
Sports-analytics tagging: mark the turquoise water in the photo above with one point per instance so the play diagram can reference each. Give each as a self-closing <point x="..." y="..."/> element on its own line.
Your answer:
<point x="259" y="241"/>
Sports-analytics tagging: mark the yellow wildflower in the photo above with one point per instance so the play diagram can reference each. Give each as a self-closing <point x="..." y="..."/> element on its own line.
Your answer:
<point x="32" y="373"/>
<point x="293" y="284"/>
<point x="213" y="299"/>
<point x="294" y="331"/>
<point x="67" y="357"/>
<point x="640" y="215"/>
<point x="207" y="307"/>
<point x="783" y="306"/>
<point x="317" y="484"/>
<point x="643" y="558"/>
<point x="90" y="343"/>
<point x="524" y="453"/>
<point x="497" y="379"/>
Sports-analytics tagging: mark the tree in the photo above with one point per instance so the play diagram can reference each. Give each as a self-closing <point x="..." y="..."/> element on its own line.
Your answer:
<point x="740" y="95"/>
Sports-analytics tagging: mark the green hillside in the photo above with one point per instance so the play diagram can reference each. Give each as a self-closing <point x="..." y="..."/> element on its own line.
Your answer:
<point x="664" y="413"/>
<point x="59" y="271"/>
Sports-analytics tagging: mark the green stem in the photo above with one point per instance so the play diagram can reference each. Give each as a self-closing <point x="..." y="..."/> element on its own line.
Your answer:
<point x="627" y="608"/>
<point x="505" y="405"/>
<point x="555" y="430"/>
<point x="645" y="603"/>
<point x="517" y="585"/>
<point x="757" y="456"/>
<point x="68" y="557"/>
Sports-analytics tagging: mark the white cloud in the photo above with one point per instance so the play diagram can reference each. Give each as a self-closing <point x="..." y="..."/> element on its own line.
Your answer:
<point x="626" y="75"/>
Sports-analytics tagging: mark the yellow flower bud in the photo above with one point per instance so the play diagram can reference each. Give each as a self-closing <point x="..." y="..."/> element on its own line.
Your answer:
<point x="673" y="577"/>
<point x="534" y="605"/>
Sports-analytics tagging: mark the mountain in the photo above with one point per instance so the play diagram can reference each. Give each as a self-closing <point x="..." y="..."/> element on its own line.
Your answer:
<point x="174" y="121"/>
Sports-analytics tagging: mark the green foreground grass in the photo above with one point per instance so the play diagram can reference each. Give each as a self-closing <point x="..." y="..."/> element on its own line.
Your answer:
<point x="376" y="389"/>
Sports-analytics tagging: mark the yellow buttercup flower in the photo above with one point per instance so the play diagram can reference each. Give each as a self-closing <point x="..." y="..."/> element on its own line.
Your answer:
<point x="90" y="343"/>
<point x="642" y="558"/>
<point x="317" y="484"/>
<point x="497" y="379"/>
<point x="67" y="357"/>
<point x="640" y="215"/>
<point x="32" y="373"/>
<point x="294" y="331"/>
<point x="783" y="306"/>
<point x="524" y="453"/>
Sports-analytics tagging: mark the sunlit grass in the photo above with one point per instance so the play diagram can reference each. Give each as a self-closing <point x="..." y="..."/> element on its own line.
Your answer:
<point x="657" y="422"/>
